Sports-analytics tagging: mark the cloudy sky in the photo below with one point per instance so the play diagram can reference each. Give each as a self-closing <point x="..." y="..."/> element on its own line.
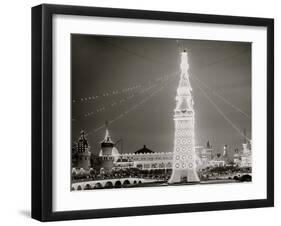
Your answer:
<point x="143" y="114"/>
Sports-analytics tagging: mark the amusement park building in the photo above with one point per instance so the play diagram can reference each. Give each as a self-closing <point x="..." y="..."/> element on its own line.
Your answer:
<point x="145" y="159"/>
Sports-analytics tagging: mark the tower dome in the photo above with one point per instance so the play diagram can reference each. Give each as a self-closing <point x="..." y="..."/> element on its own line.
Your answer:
<point x="108" y="152"/>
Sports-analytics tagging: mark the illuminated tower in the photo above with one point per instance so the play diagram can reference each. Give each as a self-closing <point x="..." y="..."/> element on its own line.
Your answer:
<point x="184" y="166"/>
<point x="83" y="152"/>
<point x="106" y="154"/>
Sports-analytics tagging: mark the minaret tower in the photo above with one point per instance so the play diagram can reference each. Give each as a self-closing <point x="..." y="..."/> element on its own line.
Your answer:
<point x="184" y="166"/>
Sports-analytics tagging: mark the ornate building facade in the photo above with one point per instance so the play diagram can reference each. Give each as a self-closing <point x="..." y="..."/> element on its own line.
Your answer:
<point x="244" y="158"/>
<point x="110" y="158"/>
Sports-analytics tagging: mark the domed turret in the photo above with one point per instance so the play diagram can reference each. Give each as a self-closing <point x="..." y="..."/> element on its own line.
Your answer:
<point x="144" y="150"/>
<point x="107" y="144"/>
<point x="108" y="151"/>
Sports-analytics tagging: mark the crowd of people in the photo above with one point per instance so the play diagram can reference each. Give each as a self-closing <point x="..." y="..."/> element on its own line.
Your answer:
<point x="91" y="174"/>
<point x="209" y="173"/>
<point x="224" y="172"/>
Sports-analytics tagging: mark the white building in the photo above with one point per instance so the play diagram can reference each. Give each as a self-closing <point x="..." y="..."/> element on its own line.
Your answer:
<point x="244" y="157"/>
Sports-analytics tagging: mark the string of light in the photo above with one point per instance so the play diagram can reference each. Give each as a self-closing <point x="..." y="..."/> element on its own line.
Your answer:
<point x="238" y="54"/>
<point x="101" y="109"/>
<point x="134" y="87"/>
<point x="134" y="107"/>
<point x="116" y="103"/>
<point x="133" y="53"/>
<point x="110" y="93"/>
<point x="222" y="98"/>
<point x="222" y="114"/>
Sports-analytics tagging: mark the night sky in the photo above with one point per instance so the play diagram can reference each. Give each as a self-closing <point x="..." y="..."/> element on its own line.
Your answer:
<point x="103" y="64"/>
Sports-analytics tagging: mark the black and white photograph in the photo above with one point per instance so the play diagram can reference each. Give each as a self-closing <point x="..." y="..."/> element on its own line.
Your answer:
<point x="159" y="112"/>
<point x="145" y="112"/>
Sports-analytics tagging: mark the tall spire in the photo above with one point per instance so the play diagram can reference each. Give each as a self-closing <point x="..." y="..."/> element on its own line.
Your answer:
<point x="184" y="165"/>
<point x="184" y="97"/>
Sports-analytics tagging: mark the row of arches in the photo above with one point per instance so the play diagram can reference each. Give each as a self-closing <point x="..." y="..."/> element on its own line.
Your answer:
<point x="108" y="184"/>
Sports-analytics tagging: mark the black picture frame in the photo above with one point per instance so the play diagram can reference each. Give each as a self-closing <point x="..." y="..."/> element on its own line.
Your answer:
<point x="42" y="111"/>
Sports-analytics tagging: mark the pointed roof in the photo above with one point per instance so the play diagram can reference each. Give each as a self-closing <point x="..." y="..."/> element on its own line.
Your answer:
<point x="184" y="87"/>
<point x="107" y="138"/>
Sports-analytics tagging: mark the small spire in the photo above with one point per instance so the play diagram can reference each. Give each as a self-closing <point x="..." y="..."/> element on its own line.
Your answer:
<point x="107" y="138"/>
<point x="82" y="135"/>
